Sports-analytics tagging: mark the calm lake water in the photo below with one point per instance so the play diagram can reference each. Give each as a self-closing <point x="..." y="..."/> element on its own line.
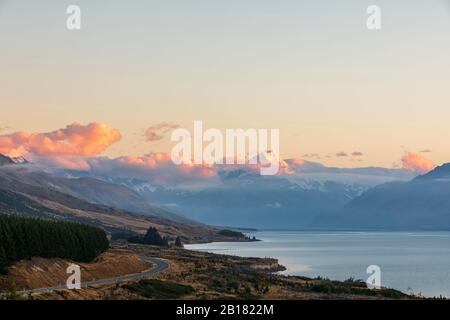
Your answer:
<point x="417" y="262"/>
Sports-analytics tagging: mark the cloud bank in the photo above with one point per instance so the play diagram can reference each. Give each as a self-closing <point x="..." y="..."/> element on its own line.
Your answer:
<point x="155" y="167"/>
<point x="79" y="147"/>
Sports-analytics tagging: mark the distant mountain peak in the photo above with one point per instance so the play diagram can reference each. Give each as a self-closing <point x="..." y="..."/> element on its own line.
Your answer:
<point x="20" y="160"/>
<point x="440" y="172"/>
<point x="271" y="158"/>
<point x="5" y="160"/>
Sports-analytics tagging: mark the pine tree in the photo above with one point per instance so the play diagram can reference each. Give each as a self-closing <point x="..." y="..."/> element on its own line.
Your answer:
<point x="178" y="242"/>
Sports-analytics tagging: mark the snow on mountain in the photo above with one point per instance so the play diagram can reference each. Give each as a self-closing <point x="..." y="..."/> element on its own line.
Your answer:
<point x="238" y="195"/>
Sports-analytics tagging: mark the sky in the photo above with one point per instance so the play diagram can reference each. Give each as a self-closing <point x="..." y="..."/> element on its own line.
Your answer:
<point x="311" y="69"/>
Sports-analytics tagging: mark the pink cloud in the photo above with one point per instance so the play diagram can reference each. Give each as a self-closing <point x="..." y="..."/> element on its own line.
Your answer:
<point x="416" y="162"/>
<point x="73" y="140"/>
<point x="298" y="161"/>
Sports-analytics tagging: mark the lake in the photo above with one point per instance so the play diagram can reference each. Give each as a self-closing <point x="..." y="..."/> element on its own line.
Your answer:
<point x="413" y="262"/>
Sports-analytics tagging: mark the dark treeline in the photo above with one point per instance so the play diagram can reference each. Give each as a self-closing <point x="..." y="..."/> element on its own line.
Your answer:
<point x="231" y="233"/>
<point x="24" y="238"/>
<point x="152" y="237"/>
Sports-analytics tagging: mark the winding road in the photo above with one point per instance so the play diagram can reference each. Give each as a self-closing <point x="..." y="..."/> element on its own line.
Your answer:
<point x="160" y="266"/>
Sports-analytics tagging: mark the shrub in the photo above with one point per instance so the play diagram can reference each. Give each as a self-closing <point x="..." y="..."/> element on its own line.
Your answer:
<point x="152" y="288"/>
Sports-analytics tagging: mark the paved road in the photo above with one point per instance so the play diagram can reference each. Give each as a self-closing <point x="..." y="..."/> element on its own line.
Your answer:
<point x="159" y="266"/>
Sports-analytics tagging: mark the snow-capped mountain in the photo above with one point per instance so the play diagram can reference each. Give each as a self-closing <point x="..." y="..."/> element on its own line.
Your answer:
<point x="241" y="196"/>
<point x="422" y="203"/>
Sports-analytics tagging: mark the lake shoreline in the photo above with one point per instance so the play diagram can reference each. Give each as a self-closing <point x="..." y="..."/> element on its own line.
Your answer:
<point x="342" y="255"/>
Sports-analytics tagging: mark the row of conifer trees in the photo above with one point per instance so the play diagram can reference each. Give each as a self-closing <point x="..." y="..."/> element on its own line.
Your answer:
<point x="24" y="238"/>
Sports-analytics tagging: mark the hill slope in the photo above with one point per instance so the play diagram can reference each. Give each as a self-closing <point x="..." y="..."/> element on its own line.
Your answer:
<point x="24" y="177"/>
<point x="28" y="192"/>
<point x="422" y="203"/>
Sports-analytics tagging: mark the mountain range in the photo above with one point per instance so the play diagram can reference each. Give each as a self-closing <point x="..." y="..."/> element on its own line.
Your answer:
<point x="27" y="190"/>
<point x="422" y="203"/>
<point x="241" y="197"/>
<point x="308" y="195"/>
<point x="19" y="178"/>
